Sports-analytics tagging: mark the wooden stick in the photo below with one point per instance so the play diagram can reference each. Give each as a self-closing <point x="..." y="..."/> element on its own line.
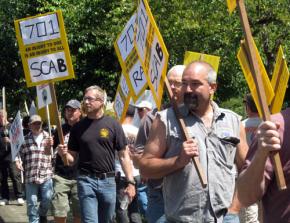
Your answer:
<point x="49" y="125"/>
<point x="26" y="107"/>
<point x="4" y="99"/>
<point x="21" y="172"/>
<point x="260" y="88"/>
<point x="58" y="120"/>
<point x="185" y="134"/>
<point x="5" y="115"/>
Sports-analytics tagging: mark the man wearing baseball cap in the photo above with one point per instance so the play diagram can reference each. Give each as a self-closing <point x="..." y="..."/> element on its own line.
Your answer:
<point x="143" y="108"/>
<point x="37" y="168"/>
<point x="65" y="196"/>
<point x="73" y="103"/>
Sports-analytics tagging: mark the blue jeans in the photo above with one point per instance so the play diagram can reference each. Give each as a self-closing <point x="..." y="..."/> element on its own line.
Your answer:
<point x="231" y="218"/>
<point x="32" y="190"/>
<point x="142" y="196"/>
<point x="97" y="199"/>
<point x="155" y="210"/>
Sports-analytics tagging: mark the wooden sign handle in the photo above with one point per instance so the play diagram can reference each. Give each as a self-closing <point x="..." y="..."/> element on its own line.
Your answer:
<point x="260" y="88"/>
<point x="5" y="116"/>
<point x="58" y="120"/>
<point x="185" y="134"/>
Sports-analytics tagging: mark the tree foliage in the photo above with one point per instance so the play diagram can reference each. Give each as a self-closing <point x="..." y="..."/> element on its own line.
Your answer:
<point x="93" y="25"/>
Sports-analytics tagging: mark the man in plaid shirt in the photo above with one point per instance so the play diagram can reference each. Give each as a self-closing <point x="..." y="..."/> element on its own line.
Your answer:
<point x="37" y="165"/>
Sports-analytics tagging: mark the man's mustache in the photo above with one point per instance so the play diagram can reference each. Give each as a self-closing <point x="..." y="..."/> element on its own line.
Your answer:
<point x="190" y="100"/>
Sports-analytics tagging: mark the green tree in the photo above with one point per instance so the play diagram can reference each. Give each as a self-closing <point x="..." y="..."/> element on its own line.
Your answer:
<point x="93" y="25"/>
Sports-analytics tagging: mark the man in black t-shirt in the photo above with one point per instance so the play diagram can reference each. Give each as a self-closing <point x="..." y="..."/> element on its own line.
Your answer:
<point x="94" y="139"/>
<point x="64" y="182"/>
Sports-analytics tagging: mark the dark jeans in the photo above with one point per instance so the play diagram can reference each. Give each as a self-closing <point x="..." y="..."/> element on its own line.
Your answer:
<point x="8" y="169"/>
<point x="132" y="214"/>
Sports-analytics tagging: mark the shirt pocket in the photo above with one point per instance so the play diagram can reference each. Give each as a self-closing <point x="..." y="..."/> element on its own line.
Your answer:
<point x="174" y="143"/>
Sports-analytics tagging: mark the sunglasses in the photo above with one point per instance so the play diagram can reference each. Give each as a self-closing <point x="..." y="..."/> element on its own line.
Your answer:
<point x="35" y="123"/>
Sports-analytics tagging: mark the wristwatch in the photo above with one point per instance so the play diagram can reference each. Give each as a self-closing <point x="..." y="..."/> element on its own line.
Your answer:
<point x="131" y="182"/>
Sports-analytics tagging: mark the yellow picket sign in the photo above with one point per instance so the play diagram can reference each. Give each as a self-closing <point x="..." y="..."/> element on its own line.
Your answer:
<point x="42" y="113"/>
<point x="151" y="50"/>
<point x="232" y="4"/>
<point x="279" y="81"/>
<point x="122" y="99"/>
<point x="129" y="61"/>
<point x="193" y="56"/>
<point x="244" y="62"/>
<point x="43" y="48"/>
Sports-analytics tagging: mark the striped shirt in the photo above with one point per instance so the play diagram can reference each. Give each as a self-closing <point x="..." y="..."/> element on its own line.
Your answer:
<point x="37" y="165"/>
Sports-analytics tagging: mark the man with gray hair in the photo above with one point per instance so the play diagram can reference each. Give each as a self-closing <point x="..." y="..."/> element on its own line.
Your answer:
<point x="174" y="77"/>
<point x="217" y="139"/>
<point x="155" y="209"/>
<point x="94" y="140"/>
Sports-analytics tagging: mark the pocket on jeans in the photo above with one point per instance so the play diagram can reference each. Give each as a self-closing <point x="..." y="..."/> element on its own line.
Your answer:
<point x="110" y="182"/>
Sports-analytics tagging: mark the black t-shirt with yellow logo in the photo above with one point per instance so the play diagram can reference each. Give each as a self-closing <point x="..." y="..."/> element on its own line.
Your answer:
<point x="95" y="140"/>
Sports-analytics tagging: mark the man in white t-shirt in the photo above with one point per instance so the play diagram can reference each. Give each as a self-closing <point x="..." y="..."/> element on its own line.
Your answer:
<point x="251" y="123"/>
<point x="131" y="214"/>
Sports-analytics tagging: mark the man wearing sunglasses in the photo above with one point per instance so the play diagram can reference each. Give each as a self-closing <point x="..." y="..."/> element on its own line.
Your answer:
<point x="94" y="141"/>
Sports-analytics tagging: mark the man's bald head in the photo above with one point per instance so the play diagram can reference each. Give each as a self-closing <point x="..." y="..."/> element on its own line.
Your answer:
<point x="201" y="67"/>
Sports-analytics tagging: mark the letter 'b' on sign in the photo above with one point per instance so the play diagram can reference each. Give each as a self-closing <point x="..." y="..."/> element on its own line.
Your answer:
<point x="48" y="67"/>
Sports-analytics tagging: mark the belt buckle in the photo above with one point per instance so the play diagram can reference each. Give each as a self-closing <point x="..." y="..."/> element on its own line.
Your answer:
<point x="103" y="176"/>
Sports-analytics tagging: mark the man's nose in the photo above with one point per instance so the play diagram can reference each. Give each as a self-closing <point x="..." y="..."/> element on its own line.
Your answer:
<point x="188" y="88"/>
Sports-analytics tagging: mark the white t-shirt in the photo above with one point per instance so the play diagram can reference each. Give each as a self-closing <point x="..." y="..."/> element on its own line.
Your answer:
<point x="130" y="132"/>
<point x="38" y="139"/>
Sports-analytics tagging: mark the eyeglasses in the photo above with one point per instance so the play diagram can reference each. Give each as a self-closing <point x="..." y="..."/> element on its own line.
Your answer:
<point x="190" y="84"/>
<point x="36" y="123"/>
<point x="69" y="109"/>
<point x="176" y="84"/>
<point x="140" y="109"/>
<point x="91" y="99"/>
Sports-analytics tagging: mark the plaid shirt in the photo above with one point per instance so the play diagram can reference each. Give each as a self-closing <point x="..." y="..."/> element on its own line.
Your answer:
<point x="37" y="165"/>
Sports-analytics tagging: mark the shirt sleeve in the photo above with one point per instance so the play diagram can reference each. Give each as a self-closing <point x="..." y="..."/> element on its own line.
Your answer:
<point x="55" y="139"/>
<point x="141" y="137"/>
<point x="121" y="141"/>
<point x="73" y="144"/>
<point x="143" y="132"/>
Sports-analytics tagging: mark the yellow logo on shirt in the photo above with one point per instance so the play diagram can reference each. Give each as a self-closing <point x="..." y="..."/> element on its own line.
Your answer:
<point x="104" y="133"/>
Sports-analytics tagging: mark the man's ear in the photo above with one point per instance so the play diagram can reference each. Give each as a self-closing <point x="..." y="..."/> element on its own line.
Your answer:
<point x="213" y="87"/>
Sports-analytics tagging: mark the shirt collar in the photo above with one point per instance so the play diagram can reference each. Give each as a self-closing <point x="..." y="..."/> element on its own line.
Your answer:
<point x="217" y="112"/>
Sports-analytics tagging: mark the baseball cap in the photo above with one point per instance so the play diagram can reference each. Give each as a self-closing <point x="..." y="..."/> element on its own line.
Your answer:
<point x="34" y="118"/>
<point x="144" y="104"/>
<point x="73" y="103"/>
